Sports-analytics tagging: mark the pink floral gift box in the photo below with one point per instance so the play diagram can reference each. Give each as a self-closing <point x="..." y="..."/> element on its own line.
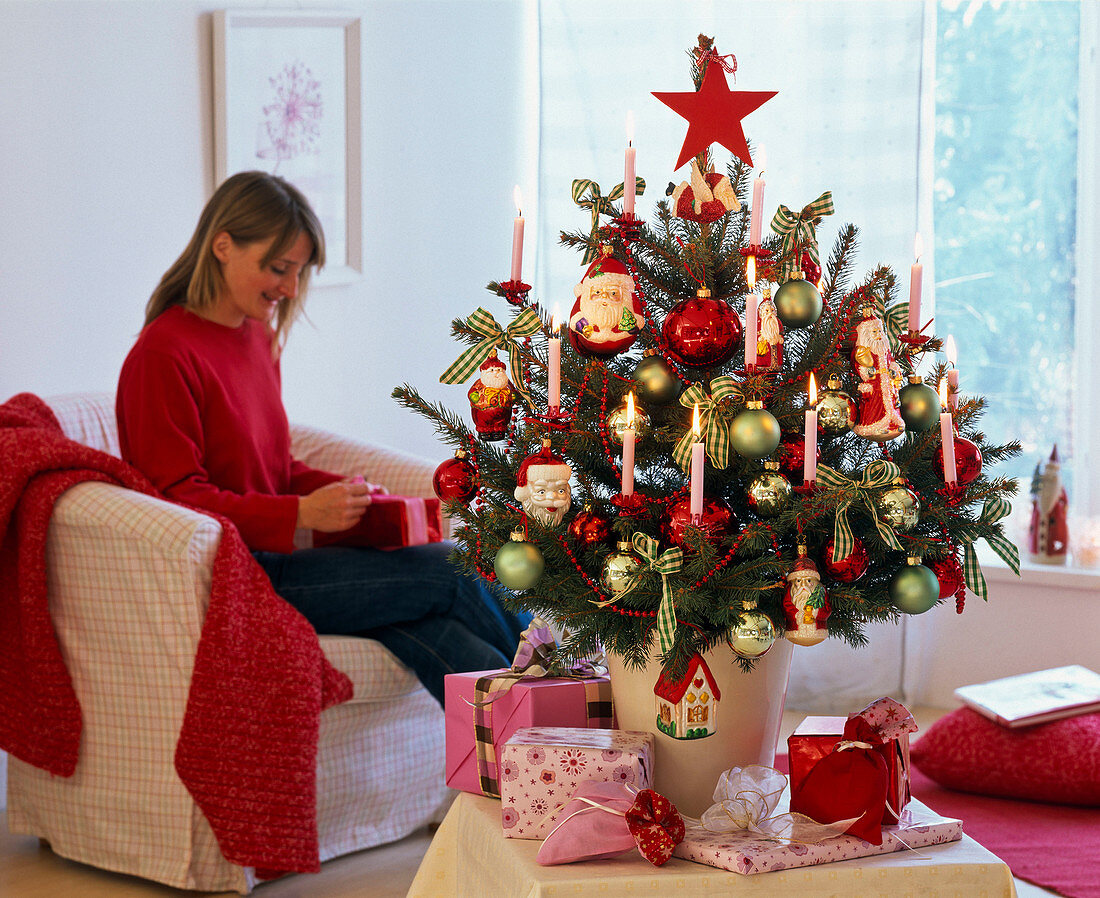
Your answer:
<point x="541" y="768"/>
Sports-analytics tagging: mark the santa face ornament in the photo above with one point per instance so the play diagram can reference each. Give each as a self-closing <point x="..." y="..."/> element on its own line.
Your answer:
<point x="606" y="317"/>
<point x="543" y="486"/>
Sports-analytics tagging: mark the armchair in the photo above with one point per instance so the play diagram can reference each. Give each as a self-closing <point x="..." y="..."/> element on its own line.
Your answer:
<point x="129" y="580"/>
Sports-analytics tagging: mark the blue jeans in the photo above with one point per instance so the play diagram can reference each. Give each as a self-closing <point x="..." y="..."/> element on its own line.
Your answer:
<point x="414" y="601"/>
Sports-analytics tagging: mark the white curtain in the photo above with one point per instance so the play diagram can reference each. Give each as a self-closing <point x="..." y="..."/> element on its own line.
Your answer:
<point x="847" y="118"/>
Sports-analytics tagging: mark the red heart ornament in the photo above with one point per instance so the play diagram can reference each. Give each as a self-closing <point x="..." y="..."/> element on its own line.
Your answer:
<point x="697" y="682"/>
<point x="844" y="784"/>
<point x="656" y="826"/>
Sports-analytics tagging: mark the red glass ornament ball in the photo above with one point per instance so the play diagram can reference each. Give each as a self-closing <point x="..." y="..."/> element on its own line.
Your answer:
<point x="792" y="456"/>
<point x="968" y="460"/>
<point x="950" y="574"/>
<point x="701" y="331"/>
<point x="850" y="568"/>
<point x="716" y="521"/>
<point x="455" y="480"/>
<point x="590" y="528"/>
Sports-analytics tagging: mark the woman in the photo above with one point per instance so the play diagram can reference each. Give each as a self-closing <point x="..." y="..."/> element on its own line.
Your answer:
<point x="200" y="414"/>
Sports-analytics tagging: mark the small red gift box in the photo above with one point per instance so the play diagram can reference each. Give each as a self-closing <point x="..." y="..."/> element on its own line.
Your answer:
<point x="476" y="731"/>
<point x="886" y="725"/>
<point x="390" y="522"/>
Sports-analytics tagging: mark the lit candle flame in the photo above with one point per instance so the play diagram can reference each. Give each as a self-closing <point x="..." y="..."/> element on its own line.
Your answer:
<point x="813" y="390"/>
<point x="820" y="281"/>
<point x="762" y="158"/>
<point x="750" y="273"/>
<point x="630" y="410"/>
<point x="517" y="198"/>
<point x="555" y="319"/>
<point x="943" y="394"/>
<point x="630" y="126"/>
<point x="695" y="428"/>
<point x="950" y="350"/>
<point x="918" y="247"/>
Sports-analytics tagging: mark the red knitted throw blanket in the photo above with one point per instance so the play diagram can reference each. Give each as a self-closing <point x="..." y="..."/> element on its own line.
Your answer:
<point x="247" y="750"/>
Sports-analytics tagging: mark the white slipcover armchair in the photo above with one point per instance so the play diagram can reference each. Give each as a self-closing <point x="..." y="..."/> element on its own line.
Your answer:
<point x="129" y="583"/>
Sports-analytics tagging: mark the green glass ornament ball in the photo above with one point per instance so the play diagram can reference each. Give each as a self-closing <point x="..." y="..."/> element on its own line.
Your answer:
<point x="920" y="406"/>
<point x="518" y="565"/>
<point x="755" y="433"/>
<point x="656" y="382"/>
<point x="914" y="589"/>
<point x="797" y="303"/>
<point x="753" y="635"/>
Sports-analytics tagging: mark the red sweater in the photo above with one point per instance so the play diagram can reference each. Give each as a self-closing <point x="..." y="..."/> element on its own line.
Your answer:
<point x="200" y="413"/>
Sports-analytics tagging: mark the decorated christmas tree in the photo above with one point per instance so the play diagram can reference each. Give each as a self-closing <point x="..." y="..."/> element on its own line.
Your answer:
<point x="699" y="461"/>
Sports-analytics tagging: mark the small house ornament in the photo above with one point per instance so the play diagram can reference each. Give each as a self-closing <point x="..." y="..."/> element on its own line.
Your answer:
<point x="687" y="708"/>
<point x="1048" y="532"/>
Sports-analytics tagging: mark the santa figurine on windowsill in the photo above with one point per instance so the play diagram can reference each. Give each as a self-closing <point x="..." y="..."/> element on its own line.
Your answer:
<point x="1048" y="533"/>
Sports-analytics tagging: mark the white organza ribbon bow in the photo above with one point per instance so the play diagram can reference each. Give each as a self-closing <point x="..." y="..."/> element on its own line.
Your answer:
<point x="746" y="798"/>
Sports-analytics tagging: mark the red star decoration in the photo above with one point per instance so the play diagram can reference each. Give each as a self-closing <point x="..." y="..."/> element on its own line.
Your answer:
<point x="715" y="113"/>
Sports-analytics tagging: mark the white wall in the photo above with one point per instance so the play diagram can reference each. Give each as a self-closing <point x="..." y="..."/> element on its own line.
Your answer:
<point x="107" y="160"/>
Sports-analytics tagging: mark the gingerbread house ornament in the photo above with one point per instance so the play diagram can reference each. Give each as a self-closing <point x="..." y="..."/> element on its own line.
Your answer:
<point x="1048" y="533"/>
<point x="687" y="707"/>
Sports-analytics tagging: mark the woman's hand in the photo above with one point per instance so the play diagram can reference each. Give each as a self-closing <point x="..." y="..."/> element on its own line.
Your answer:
<point x="335" y="507"/>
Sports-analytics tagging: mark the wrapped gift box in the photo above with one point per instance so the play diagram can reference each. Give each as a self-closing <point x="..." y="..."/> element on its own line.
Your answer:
<point x="816" y="737"/>
<point x="541" y="768"/>
<point x="475" y="735"/>
<point x="390" y="522"/>
<point x="744" y="852"/>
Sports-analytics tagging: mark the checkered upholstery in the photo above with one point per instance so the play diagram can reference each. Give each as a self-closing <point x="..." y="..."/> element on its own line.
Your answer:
<point x="129" y="581"/>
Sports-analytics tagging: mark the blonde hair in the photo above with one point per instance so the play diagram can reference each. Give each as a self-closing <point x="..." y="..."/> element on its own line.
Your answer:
<point x="251" y="207"/>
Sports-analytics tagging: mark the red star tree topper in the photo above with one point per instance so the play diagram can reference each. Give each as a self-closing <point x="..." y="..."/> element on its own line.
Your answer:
<point x="714" y="113"/>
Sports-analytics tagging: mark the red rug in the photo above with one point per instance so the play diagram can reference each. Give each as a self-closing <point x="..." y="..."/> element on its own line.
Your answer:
<point x="1056" y="847"/>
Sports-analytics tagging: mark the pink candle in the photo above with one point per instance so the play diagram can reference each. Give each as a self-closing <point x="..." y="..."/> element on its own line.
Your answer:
<point x="947" y="438"/>
<point x="629" y="435"/>
<point x="756" y="217"/>
<point x="517" y="238"/>
<point x="952" y="373"/>
<point x="750" y="313"/>
<point x="629" y="182"/>
<point x="553" y="386"/>
<point x="809" y="464"/>
<point x="697" y="462"/>
<point x="916" y="273"/>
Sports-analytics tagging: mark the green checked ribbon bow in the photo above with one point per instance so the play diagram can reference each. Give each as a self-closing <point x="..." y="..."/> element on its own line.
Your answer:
<point x="798" y="231"/>
<point x="525" y="324"/>
<point x="668" y="562"/>
<point x="715" y="418"/>
<point x="876" y="475"/>
<point x="586" y="194"/>
<point x="994" y="509"/>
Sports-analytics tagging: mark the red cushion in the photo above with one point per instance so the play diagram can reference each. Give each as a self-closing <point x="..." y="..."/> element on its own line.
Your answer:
<point x="1056" y="762"/>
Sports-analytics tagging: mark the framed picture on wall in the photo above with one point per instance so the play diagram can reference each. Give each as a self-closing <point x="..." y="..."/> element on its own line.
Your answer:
<point x="287" y="101"/>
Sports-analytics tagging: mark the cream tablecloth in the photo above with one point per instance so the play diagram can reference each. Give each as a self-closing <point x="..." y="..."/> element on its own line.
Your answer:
<point x="470" y="857"/>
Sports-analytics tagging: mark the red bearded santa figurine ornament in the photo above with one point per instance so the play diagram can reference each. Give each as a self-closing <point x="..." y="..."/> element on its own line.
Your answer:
<point x="606" y="318"/>
<point x="1048" y="532"/>
<point x="880" y="375"/>
<point x="491" y="400"/>
<point x="769" y="335"/>
<point x="805" y="603"/>
<point x="542" y="486"/>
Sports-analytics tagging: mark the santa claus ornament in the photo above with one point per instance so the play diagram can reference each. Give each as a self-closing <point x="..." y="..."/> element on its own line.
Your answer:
<point x="880" y="378"/>
<point x="805" y="603"/>
<point x="1048" y="532"/>
<point x="706" y="198"/>
<point x="542" y="486"/>
<point x="491" y="400"/>
<point x="606" y="317"/>
<point x="769" y="335"/>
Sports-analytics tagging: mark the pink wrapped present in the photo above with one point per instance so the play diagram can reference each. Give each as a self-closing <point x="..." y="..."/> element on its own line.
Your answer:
<point x="483" y="709"/>
<point x="542" y="767"/>
<point x="390" y="522"/>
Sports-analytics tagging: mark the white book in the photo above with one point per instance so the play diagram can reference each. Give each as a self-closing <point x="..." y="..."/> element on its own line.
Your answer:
<point x="1039" y="697"/>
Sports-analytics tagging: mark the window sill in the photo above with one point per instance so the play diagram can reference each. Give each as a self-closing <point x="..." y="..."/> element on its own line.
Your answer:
<point x="1065" y="577"/>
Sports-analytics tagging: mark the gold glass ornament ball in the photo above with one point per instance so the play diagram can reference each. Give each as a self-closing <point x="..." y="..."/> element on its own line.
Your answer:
<point x="899" y="507"/>
<point x="619" y="570"/>
<point x="836" y="411"/>
<point x="769" y="493"/>
<point x="753" y="635"/>
<point x="618" y="420"/>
